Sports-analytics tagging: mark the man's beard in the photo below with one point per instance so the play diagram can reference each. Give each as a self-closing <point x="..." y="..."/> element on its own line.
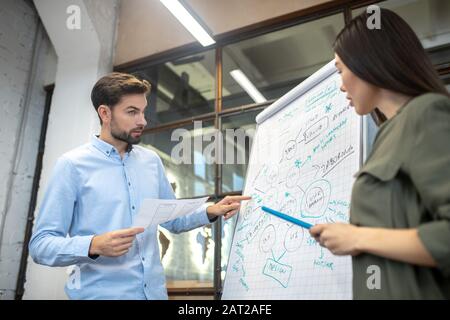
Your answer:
<point x="124" y="136"/>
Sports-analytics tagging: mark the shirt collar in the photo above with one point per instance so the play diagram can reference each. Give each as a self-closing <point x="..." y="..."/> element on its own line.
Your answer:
<point x="105" y="147"/>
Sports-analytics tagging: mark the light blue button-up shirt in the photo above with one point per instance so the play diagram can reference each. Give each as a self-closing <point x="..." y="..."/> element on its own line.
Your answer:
<point x="93" y="191"/>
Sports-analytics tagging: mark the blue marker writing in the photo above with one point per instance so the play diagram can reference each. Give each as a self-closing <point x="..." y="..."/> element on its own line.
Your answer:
<point x="284" y="216"/>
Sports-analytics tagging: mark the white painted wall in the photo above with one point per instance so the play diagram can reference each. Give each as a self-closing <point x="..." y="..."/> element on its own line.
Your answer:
<point x="27" y="61"/>
<point x="83" y="56"/>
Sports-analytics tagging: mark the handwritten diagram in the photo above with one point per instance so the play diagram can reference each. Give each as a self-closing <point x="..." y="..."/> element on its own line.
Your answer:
<point x="302" y="164"/>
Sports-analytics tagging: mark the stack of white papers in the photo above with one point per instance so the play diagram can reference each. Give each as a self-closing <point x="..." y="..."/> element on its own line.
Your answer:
<point x="156" y="211"/>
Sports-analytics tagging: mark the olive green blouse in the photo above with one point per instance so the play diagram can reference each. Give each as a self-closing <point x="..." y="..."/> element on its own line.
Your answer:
<point x="405" y="183"/>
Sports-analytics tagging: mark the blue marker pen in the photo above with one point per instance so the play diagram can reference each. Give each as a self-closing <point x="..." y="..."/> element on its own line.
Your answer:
<point x="284" y="216"/>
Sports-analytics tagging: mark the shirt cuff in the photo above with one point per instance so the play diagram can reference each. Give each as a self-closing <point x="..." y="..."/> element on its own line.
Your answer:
<point x="202" y="215"/>
<point x="435" y="236"/>
<point x="206" y="205"/>
<point x="82" y="247"/>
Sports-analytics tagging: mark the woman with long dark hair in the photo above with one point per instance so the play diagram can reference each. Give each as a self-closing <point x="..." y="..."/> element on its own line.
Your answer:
<point x="399" y="231"/>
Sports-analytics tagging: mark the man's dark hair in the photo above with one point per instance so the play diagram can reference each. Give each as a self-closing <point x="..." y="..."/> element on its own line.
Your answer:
<point x="111" y="88"/>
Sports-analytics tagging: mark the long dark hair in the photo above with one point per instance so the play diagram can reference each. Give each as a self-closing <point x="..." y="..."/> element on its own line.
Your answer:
<point x="391" y="57"/>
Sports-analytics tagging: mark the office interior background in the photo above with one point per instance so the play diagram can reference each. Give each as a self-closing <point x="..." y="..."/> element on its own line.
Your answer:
<point x="48" y="70"/>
